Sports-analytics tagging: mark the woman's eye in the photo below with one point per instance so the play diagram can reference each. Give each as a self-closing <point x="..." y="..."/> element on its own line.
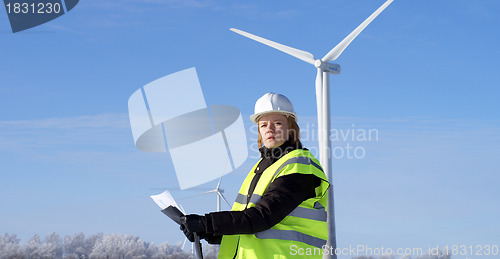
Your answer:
<point x="263" y="125"/>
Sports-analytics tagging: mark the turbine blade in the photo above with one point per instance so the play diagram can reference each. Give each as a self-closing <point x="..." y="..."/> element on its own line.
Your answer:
<point x="224" y="198"/>
<point x="300" y="54"/>
<point x="182" y="209"/>
<point x="319" y="81"/>
<point x="337" y="50"/>
<point x="218" y="185"/>
<point x="319" y="100"/>
<point x="208" y="192"/>
<point x="184" y="243"/>
<point x="196" y="188"/>
<point x="198" y="194"/>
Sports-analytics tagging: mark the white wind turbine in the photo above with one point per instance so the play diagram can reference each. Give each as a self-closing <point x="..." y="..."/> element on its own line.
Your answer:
<point x="219" y="191"/>
<point x="323" y="99"/>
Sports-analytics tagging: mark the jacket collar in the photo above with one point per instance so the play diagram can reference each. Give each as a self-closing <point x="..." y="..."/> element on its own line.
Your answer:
<point x="278" y="152"/>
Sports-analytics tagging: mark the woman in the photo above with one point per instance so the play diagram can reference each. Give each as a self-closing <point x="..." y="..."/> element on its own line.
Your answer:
<point x="280" y="209"/>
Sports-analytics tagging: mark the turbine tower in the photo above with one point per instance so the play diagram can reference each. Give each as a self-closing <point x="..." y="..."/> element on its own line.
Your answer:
<point x="323" y="68"/>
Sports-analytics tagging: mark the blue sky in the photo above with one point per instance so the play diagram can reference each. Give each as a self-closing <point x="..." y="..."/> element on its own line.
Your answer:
<point x="424" y="74"/>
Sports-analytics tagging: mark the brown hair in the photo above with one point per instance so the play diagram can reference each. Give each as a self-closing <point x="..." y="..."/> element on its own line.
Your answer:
<point x="293" y="132"/>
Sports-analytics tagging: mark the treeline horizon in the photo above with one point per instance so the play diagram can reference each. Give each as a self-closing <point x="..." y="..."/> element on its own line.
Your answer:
<point x="119" y="246"/>
<point x="80" y="246"/>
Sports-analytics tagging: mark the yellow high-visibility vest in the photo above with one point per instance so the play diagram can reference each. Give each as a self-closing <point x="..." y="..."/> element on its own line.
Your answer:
<point x="301" y="234"/>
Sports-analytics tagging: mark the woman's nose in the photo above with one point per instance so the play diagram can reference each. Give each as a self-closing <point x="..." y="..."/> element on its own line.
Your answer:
<point x="269" y="128"/>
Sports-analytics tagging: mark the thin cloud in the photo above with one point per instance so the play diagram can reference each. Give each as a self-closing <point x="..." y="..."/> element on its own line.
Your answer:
<point x="183" y="3"/>
<point x="88" y="121"/>
<point x="137" y="5"/>
<point x="256" y="12"/>
<point x="96" y="143"/>
<point x="83" y="132"/>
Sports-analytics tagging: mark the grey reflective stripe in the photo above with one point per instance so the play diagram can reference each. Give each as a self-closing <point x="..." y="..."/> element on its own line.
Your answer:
<point x="318" y="205"/>
<point x="292" y="236"/>
<point x="298" y="160"/>
<point x="255" y="198"/>
<point x="306" y="213"/>
<point x="242" y="199"/>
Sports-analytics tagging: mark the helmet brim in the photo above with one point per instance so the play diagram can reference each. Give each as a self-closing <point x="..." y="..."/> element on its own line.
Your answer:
<point x="255" y="117"/>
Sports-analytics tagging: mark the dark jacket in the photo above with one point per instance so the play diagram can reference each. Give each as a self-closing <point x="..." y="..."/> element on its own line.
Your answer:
<point x="283" y="195"/>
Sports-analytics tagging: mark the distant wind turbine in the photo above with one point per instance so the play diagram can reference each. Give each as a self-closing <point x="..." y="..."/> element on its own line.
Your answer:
<point x="324" y="68"/>
<point x="219" y="191"/>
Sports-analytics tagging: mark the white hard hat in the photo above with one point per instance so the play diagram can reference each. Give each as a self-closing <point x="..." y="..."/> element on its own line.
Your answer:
<point x="273" y="103"/>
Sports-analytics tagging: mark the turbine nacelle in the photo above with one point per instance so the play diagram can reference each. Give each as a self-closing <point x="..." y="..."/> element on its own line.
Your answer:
<point x="332" y="68"/>
<point x="327" y="67"/>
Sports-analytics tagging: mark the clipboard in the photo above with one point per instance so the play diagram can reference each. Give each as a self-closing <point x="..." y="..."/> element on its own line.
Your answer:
<point x="170" y="208"/>
<point x="173" y="213"/>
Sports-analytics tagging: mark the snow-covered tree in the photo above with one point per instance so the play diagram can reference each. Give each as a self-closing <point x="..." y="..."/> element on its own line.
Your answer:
<point x="211" y="251"/>
<point x="441" y="255"/>
<point x="167" y="251"/>
<point x="32" y="248"/>
<point x="51" y="248"/>
<point x="119" y="246"/>
<point x="99" y="246"/>
<point x="78" y="246"/>
<point x="9" y="247"/>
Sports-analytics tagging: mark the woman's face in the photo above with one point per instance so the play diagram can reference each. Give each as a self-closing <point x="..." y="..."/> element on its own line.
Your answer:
<point x="273" y="129"/>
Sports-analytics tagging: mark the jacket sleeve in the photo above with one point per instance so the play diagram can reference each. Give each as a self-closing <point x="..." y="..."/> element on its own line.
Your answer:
<point x="284" y="195"/>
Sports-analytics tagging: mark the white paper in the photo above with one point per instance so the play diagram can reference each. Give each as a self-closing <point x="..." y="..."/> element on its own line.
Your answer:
<point x="164" y="200"/>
